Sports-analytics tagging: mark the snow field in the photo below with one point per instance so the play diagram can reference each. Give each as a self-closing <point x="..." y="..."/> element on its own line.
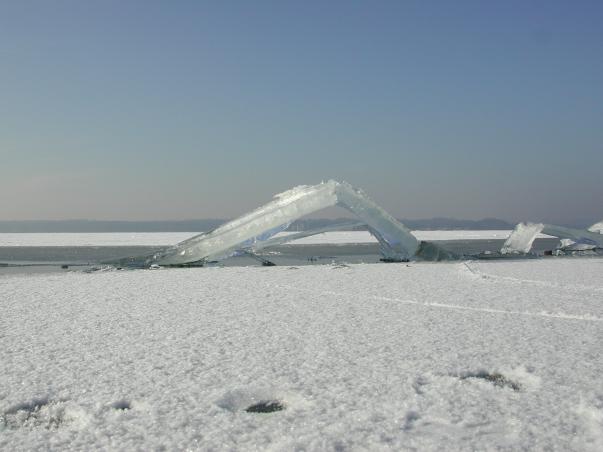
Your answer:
<point x="488" y="355"/>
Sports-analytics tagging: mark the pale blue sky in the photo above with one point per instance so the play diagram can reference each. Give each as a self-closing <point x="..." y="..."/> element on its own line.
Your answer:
<point x="178" y="109"/>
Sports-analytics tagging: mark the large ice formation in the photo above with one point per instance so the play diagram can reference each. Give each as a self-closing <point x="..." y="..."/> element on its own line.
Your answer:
<point x="254" y="230"/>
<point x="521" y="239"/>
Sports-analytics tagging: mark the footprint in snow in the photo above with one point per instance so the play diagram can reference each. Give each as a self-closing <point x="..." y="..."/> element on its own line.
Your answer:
<point x="121" y="405"/>
<point x="252" y="400"/>
<point x="497" y="379"/>
<point x="43" y="413"/>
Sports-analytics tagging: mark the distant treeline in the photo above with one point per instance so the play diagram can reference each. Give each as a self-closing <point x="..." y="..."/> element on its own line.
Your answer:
<point x="207" y="225"/>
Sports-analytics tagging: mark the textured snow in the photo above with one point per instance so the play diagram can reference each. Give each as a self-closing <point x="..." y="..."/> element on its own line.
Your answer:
<point x="454" y="356"/>
<point x="171" y="238"/>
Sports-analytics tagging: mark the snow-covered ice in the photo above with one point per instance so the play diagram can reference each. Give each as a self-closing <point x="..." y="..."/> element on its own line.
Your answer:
<point x="455" y="356"/>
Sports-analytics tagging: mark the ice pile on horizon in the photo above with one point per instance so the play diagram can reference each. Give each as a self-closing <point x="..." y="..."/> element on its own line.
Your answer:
<point x="521" y="239"/>
<point x="597" y="227"/>
<point x="256" y="230"/>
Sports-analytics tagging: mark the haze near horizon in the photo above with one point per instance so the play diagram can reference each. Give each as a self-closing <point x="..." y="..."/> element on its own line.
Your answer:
<point x="165" y="111"/>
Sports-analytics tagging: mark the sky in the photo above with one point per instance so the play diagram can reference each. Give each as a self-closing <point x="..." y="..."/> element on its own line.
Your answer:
<point x="161" y="110"/>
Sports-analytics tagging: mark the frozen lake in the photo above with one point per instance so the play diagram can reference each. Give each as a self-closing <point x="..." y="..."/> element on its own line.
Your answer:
<point x="351" y="247"/>
<point x="462" y="356"/>
<point x="171" y="238"/>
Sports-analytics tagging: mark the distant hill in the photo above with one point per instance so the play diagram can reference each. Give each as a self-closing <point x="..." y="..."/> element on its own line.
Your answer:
<point x="209" y="224"/>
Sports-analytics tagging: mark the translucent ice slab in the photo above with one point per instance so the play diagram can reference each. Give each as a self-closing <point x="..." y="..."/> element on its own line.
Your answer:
<point x="521" y="239"/>
<point x="252" y="230"/>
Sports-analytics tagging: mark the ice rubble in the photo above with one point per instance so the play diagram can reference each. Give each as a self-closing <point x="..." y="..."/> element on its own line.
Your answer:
<point x="597" y="227"/>
<point x="521" y="239"/>
<point x="254" y="230"/>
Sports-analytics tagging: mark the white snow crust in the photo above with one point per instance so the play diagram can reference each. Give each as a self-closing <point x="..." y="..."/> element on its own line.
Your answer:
<point x="422" y="356"/>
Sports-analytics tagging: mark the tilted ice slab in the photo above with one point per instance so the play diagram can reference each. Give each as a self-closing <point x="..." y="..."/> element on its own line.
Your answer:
<point x="250" y="231"/>
<point x="281" y="239"/>
<point x="522" y="237"/>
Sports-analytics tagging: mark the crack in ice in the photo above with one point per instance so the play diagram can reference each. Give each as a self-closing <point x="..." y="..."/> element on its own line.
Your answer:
<point x="560" y="315"/>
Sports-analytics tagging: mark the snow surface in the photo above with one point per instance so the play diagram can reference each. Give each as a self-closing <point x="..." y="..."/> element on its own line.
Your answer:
<point x="171" y="238"/>
<point x="455" y="356"/>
